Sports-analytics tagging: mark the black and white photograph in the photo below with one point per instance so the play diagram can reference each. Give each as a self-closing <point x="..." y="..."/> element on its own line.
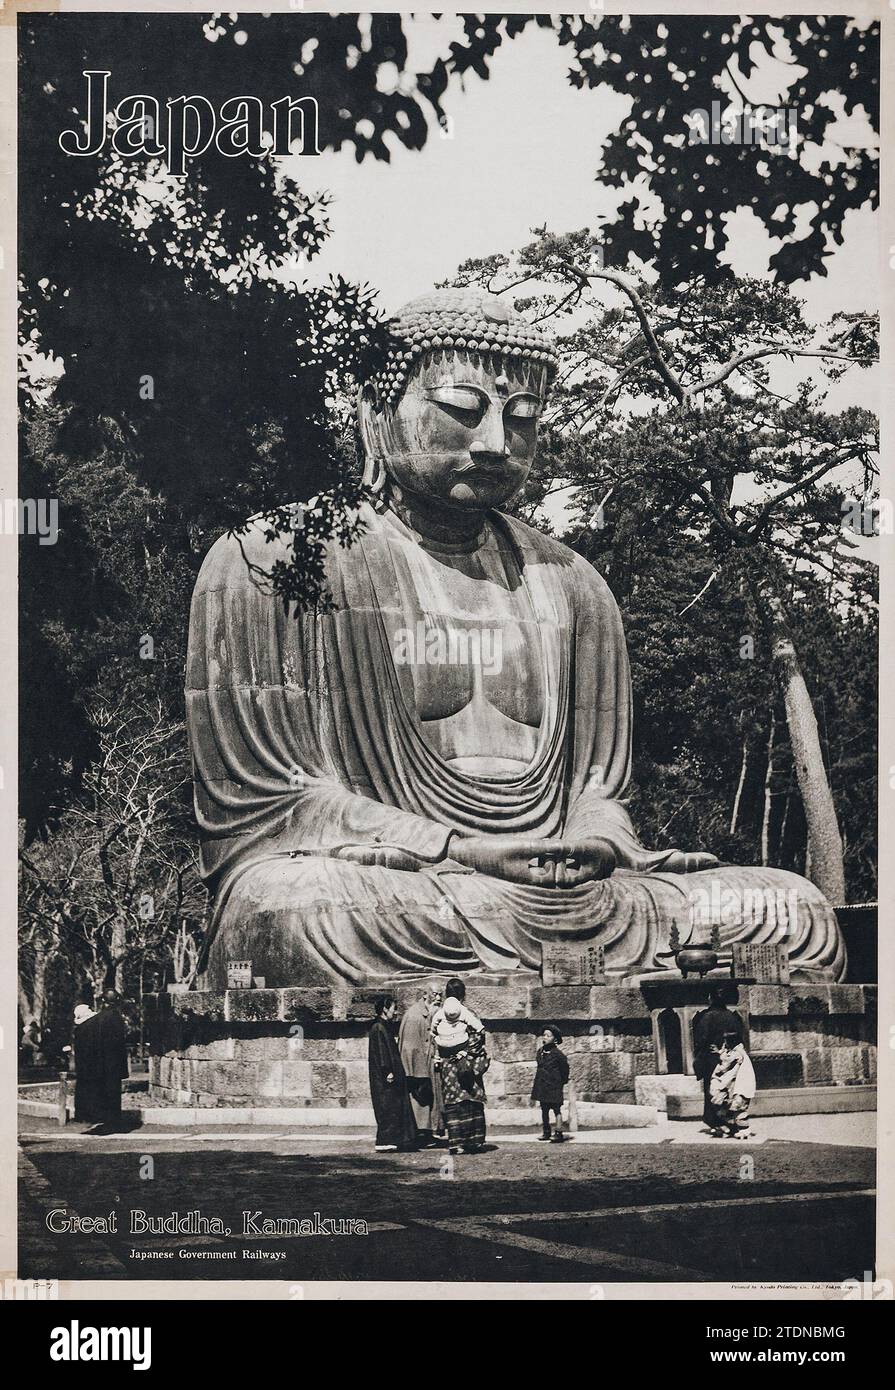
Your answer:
<point x="449" y="526"/>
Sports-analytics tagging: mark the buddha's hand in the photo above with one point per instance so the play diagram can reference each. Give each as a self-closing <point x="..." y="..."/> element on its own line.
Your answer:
<point x="383" y="856"/>
<point x="546" y="863"/>
<point x="679" y="861"/>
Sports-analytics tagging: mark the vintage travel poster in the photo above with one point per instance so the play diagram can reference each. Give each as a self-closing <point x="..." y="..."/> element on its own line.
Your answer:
<point x="447" y="748"/>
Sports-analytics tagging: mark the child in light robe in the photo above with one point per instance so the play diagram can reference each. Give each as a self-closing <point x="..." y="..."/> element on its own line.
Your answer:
<point x="732" y="1090"/>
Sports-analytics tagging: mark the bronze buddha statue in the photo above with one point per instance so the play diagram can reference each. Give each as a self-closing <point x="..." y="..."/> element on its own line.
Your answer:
<point x="428" y="777"/>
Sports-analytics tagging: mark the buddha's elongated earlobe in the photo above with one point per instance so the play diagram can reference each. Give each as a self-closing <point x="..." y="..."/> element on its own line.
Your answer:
<point x="374" y="474"/>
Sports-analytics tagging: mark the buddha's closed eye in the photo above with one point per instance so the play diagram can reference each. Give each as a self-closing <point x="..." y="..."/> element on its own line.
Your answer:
<point x="465" y="398"/>
<point x="522" y="407"/>
<point x="472" y="402"/>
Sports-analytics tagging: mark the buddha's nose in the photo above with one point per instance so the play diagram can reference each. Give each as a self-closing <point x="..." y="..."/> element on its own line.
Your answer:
<point x="490" y="444"/>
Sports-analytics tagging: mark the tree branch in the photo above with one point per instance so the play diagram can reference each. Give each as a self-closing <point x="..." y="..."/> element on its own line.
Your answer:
<point x="622" y="282"/>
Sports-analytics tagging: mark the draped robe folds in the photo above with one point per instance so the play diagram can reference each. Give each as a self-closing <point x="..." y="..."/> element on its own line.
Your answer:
<point x="325" y="815"/>
<point x="415" y="1049"/>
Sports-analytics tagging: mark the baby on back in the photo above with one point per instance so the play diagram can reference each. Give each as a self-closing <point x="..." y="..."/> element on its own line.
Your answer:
<point x="452" y="1024"/>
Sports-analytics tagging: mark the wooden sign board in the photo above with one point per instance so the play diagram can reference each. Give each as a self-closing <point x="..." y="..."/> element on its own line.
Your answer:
<point x="572" y="963"/>
<point x="239" y="974"/>
<point x="767" y="964"/>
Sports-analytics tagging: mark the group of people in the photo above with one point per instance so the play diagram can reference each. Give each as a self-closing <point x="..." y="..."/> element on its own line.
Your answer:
<point x="427" y="1082"/>
<point x="427" y="1076"/>
<point x="97" y="1054"/>
<point x="31" y="1053"/>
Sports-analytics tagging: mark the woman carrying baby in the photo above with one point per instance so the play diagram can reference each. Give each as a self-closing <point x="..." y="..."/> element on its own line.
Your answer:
<point x="459" y="1041"/>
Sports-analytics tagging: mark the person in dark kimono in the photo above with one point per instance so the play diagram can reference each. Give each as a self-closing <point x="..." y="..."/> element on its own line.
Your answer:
<point x="395" y="1125"/>
<point x="551" y="1075"/>
<point x="87" y="1100"/>
<point x="101" y="1064"/>
<point x="715" y="1030"/>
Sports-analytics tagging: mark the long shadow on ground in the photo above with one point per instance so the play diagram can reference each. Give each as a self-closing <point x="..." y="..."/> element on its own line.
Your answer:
<point x="710" y="1213"/>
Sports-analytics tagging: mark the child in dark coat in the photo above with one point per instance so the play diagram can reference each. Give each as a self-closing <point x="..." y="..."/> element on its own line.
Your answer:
<point x="550" y="1078"/>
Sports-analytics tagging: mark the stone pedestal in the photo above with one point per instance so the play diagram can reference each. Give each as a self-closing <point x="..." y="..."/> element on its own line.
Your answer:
<point x="272" y="1049"/>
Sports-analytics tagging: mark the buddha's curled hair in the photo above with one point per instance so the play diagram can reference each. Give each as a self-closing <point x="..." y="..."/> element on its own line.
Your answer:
<point x="467" y="321"/>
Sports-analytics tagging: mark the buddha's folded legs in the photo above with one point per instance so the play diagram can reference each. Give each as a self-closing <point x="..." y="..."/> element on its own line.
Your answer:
<point x="313" y="920"/>
<point x="309" y="920"/>
<point x="631" y="915"/>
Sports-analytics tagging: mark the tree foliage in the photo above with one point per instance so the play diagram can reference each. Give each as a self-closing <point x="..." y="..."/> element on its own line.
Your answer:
<point x="677" y="194"/>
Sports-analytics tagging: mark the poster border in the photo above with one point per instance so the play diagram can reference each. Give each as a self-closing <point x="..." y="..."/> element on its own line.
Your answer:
<point x="250" y="1290"/>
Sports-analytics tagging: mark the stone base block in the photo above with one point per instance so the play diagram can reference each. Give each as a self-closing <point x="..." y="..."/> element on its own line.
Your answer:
<point x="655" y="1090"/>
<point x="594" y="1116"/>
<point x="305" y="1050"/>
<point x="802" y="1100"/>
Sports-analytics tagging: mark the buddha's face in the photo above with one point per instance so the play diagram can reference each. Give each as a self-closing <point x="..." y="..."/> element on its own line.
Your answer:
<point x="464" y="430"/>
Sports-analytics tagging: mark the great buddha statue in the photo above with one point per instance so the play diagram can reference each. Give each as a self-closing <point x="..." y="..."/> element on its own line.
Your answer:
<point x="429" y="776"/>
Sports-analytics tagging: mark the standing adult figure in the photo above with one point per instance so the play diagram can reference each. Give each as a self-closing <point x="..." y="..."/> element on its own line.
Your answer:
<point x="439" y="1126"/>
<point x="711" y="1029"/>
<point x="108" y="1036"/>
<point x="462" y="1081"/>
<point x="88" y="1103"/>
<point x="416" y="1057"/>
<point x="395" y="1126"/>
<point x="30" y="1054"/>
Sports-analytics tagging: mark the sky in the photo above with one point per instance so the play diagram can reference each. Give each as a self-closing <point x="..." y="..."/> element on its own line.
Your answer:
<point x="522" y="150"/>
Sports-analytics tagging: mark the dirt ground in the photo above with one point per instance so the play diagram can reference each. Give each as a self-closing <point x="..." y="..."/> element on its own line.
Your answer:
<point x="781" y="1210"/>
